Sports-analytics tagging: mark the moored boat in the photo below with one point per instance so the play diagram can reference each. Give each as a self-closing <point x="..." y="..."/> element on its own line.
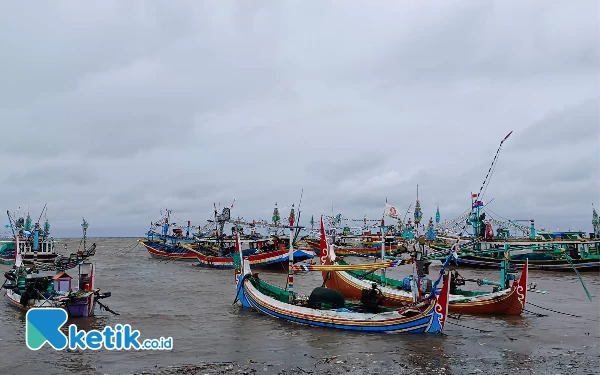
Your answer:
<point x="328" y="308"/>
<point x="35" y="245"/>
<point x="504" y="300"/>
<point x="166" y="244"/>
<point x="51" y="286"/>
<point x="272" y="259"/>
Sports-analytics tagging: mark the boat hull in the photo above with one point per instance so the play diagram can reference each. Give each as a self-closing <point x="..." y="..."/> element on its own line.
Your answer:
<point x="363" y="251"/>
<point x="506" y="302"/>
<point x="431" y="320"/>
<point x="582" y="265"/>
<point x="155" y="252"/>
<point x="270" y="259"/>
<point x="28" y="259"/>
<point x="81" y="307"/>
<point x="359" y="251"/>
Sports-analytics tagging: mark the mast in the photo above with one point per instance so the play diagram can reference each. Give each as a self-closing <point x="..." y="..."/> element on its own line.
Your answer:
<point x="216" y="228"/>
<point x="84" y="227"/>
<point x="276" y="219"/>
<point x="10" y="222"/>
<point x="383" y="280"/>
<point x="291" y="259"/>
<point x="595" y="221"/>
<point x="418" y="214"/>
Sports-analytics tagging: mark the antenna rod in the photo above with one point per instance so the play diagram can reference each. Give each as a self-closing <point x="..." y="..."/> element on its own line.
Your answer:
<point x="10" y="221"/>
<point x="299" y="212"/>
<point x="40" y="218"/>
<point x="490" y="171"/>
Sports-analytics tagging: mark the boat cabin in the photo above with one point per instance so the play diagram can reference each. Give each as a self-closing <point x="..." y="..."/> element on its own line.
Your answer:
<point x="85" y="277"/>
<point x="62" y="282"/>
<point x="44" y="245"/>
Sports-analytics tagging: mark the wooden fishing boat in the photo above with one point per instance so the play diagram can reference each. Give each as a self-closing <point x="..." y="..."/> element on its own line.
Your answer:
<point x="27" y="288"/>
<point x="502" y="301"/>
<point x="541" y="254"/>
<point x="163" y="250"/>
<point x="588" y="264"/>
<point x="44" y="285"/>
<point x="509" y="301"/>
<point x="271" y="259"/>
<point x="363" y="251"/>
<point x="327" y="308"/>
<point x="166" y="244"/>
<point x="35" y="244"/>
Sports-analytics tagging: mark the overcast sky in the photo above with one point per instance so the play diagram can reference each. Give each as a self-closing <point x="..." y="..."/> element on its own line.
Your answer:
<point x="113" y="109"/>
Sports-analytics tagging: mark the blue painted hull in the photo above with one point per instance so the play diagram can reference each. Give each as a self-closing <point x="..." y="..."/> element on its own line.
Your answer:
<point x="431" y="320"/>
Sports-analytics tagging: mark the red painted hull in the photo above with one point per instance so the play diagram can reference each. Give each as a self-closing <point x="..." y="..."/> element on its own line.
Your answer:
<point x="270" y="259"/>
<point x="511" y="302"/>
<point x="155" y="253"/>
<point x="357" y="251"/>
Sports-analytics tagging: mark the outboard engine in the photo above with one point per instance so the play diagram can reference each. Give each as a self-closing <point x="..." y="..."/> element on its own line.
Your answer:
<point x="328" y="296"/>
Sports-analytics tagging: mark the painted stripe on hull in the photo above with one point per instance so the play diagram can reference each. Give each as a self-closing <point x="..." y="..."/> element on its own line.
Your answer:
<point x="582" y="267"/>
<point x="257" y="261"/>
<point x="89" y="310"/>
<point x="154" y="253"/>
<point x="420" y="324"/>
<point x="497" y="303"/>
<point x="41" y="258"/>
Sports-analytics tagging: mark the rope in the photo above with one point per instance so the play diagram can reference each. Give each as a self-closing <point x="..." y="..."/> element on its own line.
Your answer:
<point x="554" y="311"/>
<point x="125" y="249"/>
<point x="488" y="176"/>
<point x="534" y="313"/>
<point x="475" y="329"/>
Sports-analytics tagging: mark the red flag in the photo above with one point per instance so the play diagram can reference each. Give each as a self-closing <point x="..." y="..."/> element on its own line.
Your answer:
<point x="323" y="244"/>
<point x="474" y="195"/>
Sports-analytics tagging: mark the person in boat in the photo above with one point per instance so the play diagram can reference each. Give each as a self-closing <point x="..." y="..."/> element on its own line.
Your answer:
<point x="372" y="299"/>
<point x="422" y="244"/>
<point x="455" y="280"/>
<point x="455" y="249"/>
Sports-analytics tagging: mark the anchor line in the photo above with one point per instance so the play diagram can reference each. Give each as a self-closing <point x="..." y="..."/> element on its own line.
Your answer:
<point x="476" y="329"/>
<point x="554" y="311"/>
<point x="534" y="313"/>
<point x="125" y="249"/>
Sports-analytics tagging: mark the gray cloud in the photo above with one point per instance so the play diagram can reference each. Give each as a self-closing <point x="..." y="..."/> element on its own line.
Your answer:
<point x="113" y="110"/>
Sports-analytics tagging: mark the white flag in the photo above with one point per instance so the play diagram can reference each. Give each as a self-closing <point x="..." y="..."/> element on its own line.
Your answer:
<point x="390" y="211"/>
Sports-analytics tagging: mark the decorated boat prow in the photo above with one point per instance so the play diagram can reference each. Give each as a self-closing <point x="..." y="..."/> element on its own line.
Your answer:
<point x="327" y="307"/>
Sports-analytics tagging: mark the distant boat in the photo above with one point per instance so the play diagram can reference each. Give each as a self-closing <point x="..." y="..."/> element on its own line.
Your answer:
<point x="166" y="244"/>
<point x="548" y="253"/>
<point x="259" y="254"/>
<point x="35" y="243"/>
